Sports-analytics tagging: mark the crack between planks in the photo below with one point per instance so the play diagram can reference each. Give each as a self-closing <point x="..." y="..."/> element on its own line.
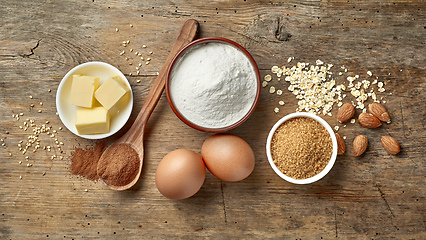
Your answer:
<point x="402" y="118"/>
<point x="32" y="50"/>
<point x="335" y="218"/>
<point x="223" y="202"/>
<point x="387" y="205"/>
<point x="384" y="199"/>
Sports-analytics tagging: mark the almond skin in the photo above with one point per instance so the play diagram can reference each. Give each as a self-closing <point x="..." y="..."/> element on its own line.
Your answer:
<point x="368" y="120"/>
<point x="379" y="111"/>
<point x="346" y="111"/>
<point x="341" y="146"/>
<point x="391" y="145"/>
<point x="360" y="145"/>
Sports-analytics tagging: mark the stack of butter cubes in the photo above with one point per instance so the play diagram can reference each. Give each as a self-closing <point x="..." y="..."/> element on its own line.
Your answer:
<point x="92" y="118"/>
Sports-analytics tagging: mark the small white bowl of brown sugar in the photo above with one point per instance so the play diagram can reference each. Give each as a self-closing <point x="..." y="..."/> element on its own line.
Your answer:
<point x="301" y="148"/>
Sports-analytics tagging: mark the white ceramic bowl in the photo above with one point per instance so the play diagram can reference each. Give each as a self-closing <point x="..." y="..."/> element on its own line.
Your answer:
<point x="327" y="167"/>
<point x="67" y="111"/>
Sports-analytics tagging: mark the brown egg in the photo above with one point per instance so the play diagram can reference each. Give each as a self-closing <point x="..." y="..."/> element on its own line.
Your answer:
<point x="180" y="174"/>
<point x="228" y="157"/>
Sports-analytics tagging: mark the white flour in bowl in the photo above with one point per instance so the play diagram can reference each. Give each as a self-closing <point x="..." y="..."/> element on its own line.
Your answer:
<point x="213" y="85"/>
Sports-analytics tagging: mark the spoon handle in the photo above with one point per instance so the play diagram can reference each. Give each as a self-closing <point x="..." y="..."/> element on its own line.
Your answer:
<point x="187" y="33"/>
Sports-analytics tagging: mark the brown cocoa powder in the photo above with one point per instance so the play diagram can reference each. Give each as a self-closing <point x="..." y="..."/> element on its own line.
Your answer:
<point x="119" y="165"/>
<point x="84" y="162"/>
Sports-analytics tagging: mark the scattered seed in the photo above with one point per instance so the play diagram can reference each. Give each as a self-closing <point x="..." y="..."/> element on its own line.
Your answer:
<point x="31" y="97"/>
<point x="144" y="46"/>
<point x="268" y="78"/>
<point x="116" y="30"/>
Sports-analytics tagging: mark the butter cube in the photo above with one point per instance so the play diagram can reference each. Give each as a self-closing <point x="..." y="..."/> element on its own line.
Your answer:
<point x="111" y="91"/>
<point x="82" y="90"/>
<point x="92" y="120"/>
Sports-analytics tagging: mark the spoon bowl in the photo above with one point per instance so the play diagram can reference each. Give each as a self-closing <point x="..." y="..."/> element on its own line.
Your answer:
<point x="134" y="136"/>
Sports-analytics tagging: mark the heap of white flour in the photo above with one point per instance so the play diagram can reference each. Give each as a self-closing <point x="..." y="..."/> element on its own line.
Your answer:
<point x="213" y="85"/>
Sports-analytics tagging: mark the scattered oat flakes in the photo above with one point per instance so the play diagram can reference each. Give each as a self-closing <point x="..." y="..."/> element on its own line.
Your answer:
<point x="276" y="110"/>
<point x="279" y="92"/>
<point x="268" y="78"/>
<point x="264" y="83"/>
<point x="272" y="89"/>
<point x="281" y="103"/>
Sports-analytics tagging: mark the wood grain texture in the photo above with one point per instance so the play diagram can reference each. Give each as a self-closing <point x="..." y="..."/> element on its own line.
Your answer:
<point x="375" y="196"/>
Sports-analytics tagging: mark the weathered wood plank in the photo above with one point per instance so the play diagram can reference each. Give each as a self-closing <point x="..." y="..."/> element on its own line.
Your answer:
<point x="377" y="195"/>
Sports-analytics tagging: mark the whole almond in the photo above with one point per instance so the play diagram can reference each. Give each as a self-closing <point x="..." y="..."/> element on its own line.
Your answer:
<point x="368" y="120"/>
<point x="391" y="145"/>
<point x="341" y="147"/>
<point x="379" y="111"/>
<point x="360" y="145"/>
<point x="346" y="111"/>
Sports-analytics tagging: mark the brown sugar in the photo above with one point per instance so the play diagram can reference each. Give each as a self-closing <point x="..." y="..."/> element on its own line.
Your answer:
<point x="301" y="147"/>
<point x="119" y="165"/>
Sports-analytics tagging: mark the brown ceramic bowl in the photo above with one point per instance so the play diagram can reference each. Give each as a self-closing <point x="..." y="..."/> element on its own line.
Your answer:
<point x="182" y="53"/>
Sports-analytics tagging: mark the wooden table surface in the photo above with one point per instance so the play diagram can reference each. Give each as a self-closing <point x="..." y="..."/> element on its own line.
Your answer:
<point x="374" y="196"/>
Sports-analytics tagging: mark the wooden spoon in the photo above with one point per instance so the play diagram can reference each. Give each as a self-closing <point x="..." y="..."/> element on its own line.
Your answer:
<point x="134" y="136"/>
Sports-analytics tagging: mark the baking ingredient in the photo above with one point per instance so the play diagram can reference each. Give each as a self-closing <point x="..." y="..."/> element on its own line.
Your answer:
<point x="391" y="144"/>
<point x="213" y="85"/>
<point x="82" y="90"/>
<point x="346" y="111"/>
<point x="119" y="166"/>
<point x="341" y="146"/>
<point x="368" y="120"/>
<point x="360" y="145"/>
<point x="111" y="91"/>
<point x="379" y="111"/>
<point x="315" y="86"/>
<point x="180" y="174"/>
<point x="301" y="147"/>
<point x="92" y="120"/>
<point x="228" y="157"/>
<point x="84" y="162"/>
